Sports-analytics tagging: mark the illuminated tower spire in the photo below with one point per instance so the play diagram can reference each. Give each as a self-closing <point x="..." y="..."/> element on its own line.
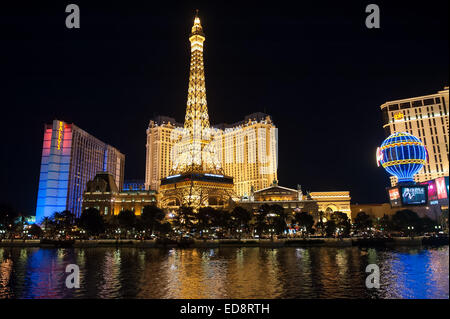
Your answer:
<point x="196" y="150"/>
<point x="197" y="111"/>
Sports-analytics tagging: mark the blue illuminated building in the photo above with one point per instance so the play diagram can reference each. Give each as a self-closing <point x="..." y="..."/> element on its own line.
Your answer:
<point x="402" y="155"/>
<point x="70" y="158"/>
<point x="133" y="185"/>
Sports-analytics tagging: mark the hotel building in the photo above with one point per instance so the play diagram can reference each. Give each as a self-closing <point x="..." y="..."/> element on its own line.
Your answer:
<point x="247" y="151"/>
<point x="102" y="193"/>
<point x="70" y="158"/>
<point x="425" y="117"/>
<point x="293" y="200"/>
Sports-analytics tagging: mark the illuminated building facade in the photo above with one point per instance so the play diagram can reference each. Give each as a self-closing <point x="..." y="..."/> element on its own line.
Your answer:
<point x="102" y="193"/>
<point x="158" y="150"/>
<point x="70" y="158"/>
<point x="293" y="200"/>
<point x="333" y="201"/>
<point x="402" y="155"/>
<point x="196" y="178"/>
<point x="133" y="185"/>
<point x="427" y="118"/>
<point x="247" y="151"/>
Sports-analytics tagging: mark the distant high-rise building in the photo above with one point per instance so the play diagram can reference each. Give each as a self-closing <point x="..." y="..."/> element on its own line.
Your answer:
<point x="425" y="117"/>
<point x="70" y="158"/>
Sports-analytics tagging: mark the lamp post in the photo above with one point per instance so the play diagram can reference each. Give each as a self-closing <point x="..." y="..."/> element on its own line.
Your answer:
<point x="411" y="229"/>
<point x="437" y="228"/>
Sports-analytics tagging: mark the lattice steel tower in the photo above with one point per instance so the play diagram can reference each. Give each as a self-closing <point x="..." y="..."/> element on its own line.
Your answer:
<point x="195" y="149"/>
<point x="196" y="178"/>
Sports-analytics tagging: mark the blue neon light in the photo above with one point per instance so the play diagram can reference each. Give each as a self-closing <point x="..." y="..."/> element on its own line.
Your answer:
<point x="403" y="156"/>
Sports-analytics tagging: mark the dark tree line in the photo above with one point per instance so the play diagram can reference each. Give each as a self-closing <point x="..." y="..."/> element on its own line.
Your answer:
<point x="267" y="222"/>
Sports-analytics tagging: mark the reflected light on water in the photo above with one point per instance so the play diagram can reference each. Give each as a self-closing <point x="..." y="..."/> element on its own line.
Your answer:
<point x="251" y="272"/>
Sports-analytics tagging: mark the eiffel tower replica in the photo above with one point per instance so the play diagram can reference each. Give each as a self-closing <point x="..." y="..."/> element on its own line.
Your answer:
<point x="196" y="179"/>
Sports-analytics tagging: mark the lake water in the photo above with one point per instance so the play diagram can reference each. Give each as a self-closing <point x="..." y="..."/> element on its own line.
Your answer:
<point x="250" y="272"/>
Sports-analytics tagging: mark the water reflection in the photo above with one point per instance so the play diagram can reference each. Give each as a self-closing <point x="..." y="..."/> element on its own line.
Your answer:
<point x="251" y="272"/>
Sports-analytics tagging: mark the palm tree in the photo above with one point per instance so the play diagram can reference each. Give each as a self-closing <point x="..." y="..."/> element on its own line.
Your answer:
<point x="46" y="222"/>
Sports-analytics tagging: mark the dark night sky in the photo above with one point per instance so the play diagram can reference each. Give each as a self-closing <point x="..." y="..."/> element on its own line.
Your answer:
<point x="314" y="67"/>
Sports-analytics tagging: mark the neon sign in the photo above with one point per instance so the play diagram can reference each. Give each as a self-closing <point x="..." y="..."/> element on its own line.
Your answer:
<point x="60" y="129"/>
<point x="379" y="156"/>
<point x="398" y="115"/>
<point x="441" y="189"/>
<point x="394" y="194"/>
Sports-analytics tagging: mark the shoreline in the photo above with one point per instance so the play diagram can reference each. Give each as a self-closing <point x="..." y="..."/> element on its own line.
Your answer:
<point x="198" y="243"/>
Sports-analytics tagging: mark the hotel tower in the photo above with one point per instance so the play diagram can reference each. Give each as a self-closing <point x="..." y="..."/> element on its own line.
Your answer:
<point x="70" y="158"/>
<point x="425" y="117"/>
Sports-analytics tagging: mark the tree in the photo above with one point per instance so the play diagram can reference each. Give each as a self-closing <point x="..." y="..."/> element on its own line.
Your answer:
<point x="385" y="223"/>
<point x="426" y="225"/>
<point x="49" y="226"/>
<point x="8" y="215"/>
<point x="342" y="222"/>
<point x="405" y="218"/>
<point x="151" y="217"/>
<point x="35" y="230"/>
<point x="111" y="224"/>
<point x="261" y="223"/>
<point x="276" y="220"/>
<point x="444" y="219"/>
<point x="330" y="228"/>
<point x="320" y="224"/>
<point x="205" y="217"/>
<point x="362" y="221"/>
<point x="184" y="220"/>
<point x="63" y="221"/>
<point x="222" y="220"/>
<point x="304" y="220"/>
<point x="164" y="228"/>
<point x="241" y="218"/>
<point x="92" y="221"/>
<point x="67" y="219"/>
<point x="127" y="219"/>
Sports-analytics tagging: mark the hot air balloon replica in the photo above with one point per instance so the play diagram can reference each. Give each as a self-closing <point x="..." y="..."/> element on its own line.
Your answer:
<point x="402" y="155"/>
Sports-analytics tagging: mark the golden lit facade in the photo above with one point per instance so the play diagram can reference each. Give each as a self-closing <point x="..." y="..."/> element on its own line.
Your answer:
<point x="293" y="200"/>
<point x="196" y="178"/>
<point x="193" y="150"/>
<point x="102" y="193"/>
<point x="333" y="201"/>
<point x="246" y="151"/>
<point x="159" y="146"/>
<point x="249" y="153"/>
<point x="427" y="118"/>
